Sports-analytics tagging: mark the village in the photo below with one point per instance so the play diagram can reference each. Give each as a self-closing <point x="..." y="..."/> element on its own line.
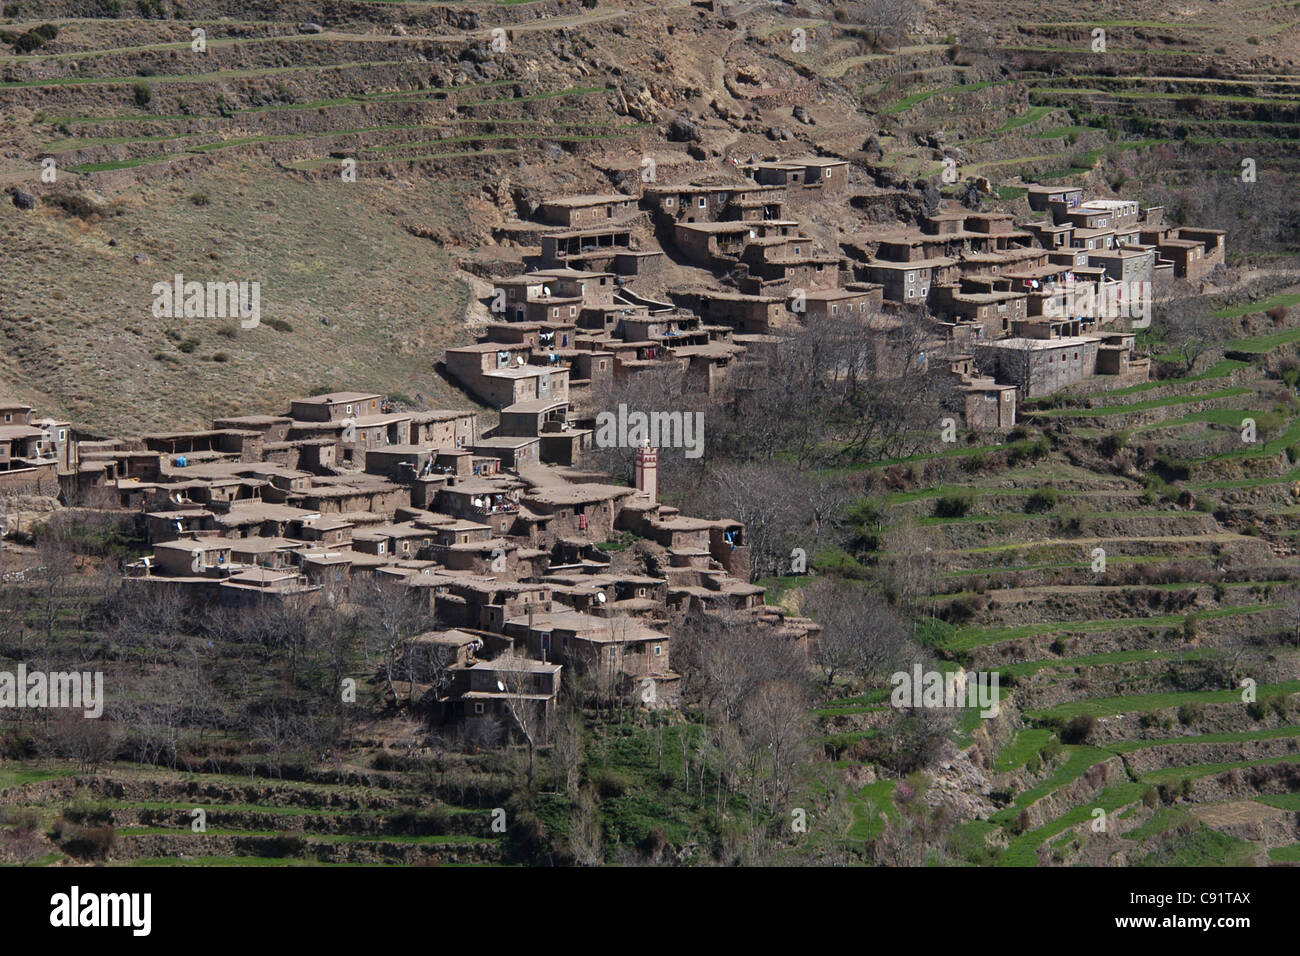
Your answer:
<point x="500" y="529"/>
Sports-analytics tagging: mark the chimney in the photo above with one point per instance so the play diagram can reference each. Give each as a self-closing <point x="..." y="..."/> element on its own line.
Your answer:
<point x="647" y="471"/>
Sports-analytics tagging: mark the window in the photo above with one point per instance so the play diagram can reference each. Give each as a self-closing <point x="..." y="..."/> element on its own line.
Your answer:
<point x="347" y="410"/>
<point x="668" y="202"/>
<point x="613" y="653"/>
<point x="478" y="707"/>
<point x="659" y="650"/>
<point x="1076" y="356"/>
<point x="703" y="202"/>
<point x="573" y="310"/>
<point x="63" y="434"/>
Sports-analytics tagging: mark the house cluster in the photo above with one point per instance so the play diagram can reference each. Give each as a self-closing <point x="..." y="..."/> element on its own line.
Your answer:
<point x="1009" y="310"/>
<point x="348" y="499"/>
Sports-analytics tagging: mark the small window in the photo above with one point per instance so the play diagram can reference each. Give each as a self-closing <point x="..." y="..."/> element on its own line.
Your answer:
<point x="659" y="650"/>
<point x="703" y="202"/>
<point x="613" y="653"/>
<point x="347" y="409"/>
<point x="668" y="203"/>
<point x="478" y="707"/>
<point x="573" y="310"/>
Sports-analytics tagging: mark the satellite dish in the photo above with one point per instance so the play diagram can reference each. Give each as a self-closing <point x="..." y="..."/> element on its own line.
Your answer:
<point x="600" y="598"/>
<point x="546" y="290"/>
<point x="501" y="687"/>
<point x="519" y="360"/>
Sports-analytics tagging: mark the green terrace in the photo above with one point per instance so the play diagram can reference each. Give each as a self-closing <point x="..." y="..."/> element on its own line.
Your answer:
<point x="1023" y="849"/>
<point x="1197" y="771"/>
<point x="1030" y="668"/>
<point x="908" y="102"/>
<point x="1000" y="519"/>
<point x="1234" y="737"/>
<point x="1172" y="400"/>
<point x="196" y="77"/>
<point x="1144" y="703"/>
<point x="972" y="637"/>
<point x="356" y="99"/>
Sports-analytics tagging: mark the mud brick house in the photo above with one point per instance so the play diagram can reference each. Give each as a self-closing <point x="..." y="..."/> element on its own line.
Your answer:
<point x="1041" y="198"/>
<point x="500" y="374"/>
<point x="991" y="312"/>
<point x="272" y="428"/>
<point x="553" y="295"/>
<point x="607" y="249"/>
<point x="514" y="451"/>
<point x="618" y="652"/>
<point x="809" y="176"/>
<point x="577" y="212"/>
<point x="1126" y="264"/>
<point x="335" y="406"/>
<point x="985" y="405"/>
<point x="20" y="446"/>
<point x="1116" y="355"/>
<point x="909" y="281"/>
<point x="719" y="245"/>
<point x="779" y="264"/>
<point x="1116" y="213"/>
<point x="1193" y="252"/>
<point x="1039" y="366"/>
<point x="485" y="695"/>
<point x="202" y="557"/>
<point x="699" y="203"/>
<point x="541" y="337"/>
<point x="586" y="511"/>
<point x="747" y="314"/>
<point x="858" y="299"/>
<point x="443" y="428"/>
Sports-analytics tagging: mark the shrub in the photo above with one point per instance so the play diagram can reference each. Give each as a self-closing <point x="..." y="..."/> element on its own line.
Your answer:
<point x="1114" y="443"/>
<point x="284" y="845"/>
<point x="1078" y="729"/>
<point x="200" y="198"/>
<point x="1044" y="499"/>
<point x="956" y="505"/>
<point x="1150" y="797"/>
<point x="84" y="843"/>
<point x="1189" y="626"/>
<point x="1190" y="713"/>
<point x="143" y="94"/>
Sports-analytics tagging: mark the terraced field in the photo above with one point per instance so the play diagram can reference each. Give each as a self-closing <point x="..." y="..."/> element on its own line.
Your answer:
<point x="179" y="819"/>
<point x="1133" y="585"/>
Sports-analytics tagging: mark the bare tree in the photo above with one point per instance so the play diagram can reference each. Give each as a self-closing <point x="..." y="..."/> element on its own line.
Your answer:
<point x="525" y="707"/>
<point x="773" y="724"/>
<point x="394" y="613"/>
<point x="861" y="634"/>
<point x="888" y="19"/>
